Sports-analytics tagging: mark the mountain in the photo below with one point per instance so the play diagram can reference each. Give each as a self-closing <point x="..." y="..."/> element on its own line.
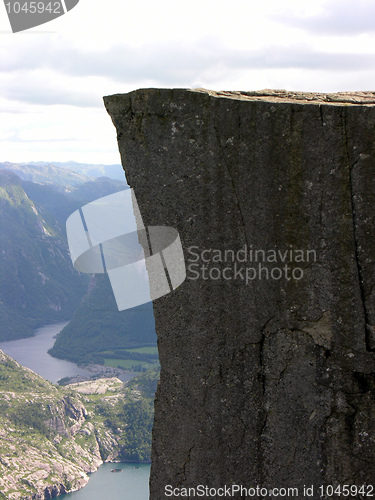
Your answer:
<point x="114" y="171"/>
<point x="38" y="284"/>
<point x="65" y="175"/>
<point x="92" y="190"/>
<point x="46" y="174"/>
<point x="100" y="333"/>
<point x="52" y="437"/>
<point x="62" y="204"/>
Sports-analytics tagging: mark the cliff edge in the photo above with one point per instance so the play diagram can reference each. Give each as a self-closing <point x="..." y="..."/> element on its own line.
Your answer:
<point x="267" y="348"/>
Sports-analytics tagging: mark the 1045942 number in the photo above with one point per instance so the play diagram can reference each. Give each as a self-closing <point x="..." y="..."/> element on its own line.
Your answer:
<point x="34" y="7"/>
<point x="347" y="490"/>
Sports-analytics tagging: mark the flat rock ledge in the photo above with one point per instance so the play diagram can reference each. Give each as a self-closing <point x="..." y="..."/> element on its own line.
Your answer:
<point x="354" y="98"/>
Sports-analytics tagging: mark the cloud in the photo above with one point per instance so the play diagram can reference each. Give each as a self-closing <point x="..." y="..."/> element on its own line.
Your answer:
<point x="50" y="95"/>
<point x="46" y="87"/>
<point x="64" y="75"/>
<point x="52" y="83"/>
<point x="16" y="138"/>
<point x="180" y="62"/>
<point x="343" y="17"/>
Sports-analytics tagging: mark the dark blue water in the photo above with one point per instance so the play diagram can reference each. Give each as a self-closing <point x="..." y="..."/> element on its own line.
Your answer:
<point x="130" y="484"/>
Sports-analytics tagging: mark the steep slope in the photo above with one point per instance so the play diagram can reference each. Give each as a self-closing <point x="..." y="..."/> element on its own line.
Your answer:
<point x="267" y="373"/>
<point x="98" y="331"/>
<point x="38" y="284"/>
<point x="62" y="204"/>
<point x="47" y="444"/>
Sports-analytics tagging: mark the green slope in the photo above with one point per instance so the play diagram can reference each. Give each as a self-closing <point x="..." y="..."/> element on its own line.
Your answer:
<point x="38" y="284"/>
<point x="99" y="332"/>
<point x="52" y="437"/>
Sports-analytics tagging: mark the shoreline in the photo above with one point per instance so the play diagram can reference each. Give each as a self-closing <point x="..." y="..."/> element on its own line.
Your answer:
<point x="98" y="371"/>
<point x="90" y="475"/>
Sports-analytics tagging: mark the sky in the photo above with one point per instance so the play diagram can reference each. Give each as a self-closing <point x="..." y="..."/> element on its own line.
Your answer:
<point x="53" y="77"/>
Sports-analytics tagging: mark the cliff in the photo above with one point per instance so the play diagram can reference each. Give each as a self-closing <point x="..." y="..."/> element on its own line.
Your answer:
<point x="267" y="348"/>
<point x="53" y="437"/>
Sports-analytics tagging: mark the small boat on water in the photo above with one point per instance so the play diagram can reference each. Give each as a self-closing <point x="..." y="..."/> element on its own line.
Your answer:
<point x="116" y="470"/>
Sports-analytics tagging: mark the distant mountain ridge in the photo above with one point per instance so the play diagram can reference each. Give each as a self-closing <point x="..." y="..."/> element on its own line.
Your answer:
<point x="114" y="171"/>
<point x="46" y="174"/>
<point x="68" y="173"/>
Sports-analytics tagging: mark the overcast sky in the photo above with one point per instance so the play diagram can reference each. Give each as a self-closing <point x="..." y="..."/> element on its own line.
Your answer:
<point x="53" y="77"/>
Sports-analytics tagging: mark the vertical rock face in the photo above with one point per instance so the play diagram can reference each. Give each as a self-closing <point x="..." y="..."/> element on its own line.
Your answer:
<point x="268" y="373"/>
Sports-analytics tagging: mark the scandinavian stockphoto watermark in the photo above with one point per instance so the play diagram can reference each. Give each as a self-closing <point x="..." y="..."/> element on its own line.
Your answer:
<point x="248" y="263"/>
<point x="26" y="14"/>
<point x="143" y="263"/>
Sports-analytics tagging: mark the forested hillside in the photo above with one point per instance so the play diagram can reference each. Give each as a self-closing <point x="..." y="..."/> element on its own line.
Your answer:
<point x="99" y="332"/>
<point x="38" y="283"/>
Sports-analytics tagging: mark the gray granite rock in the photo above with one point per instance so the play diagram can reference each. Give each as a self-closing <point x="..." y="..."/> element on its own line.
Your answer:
<point x="269" y="382"/>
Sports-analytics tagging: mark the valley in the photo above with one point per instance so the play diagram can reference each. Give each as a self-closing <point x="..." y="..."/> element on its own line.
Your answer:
<point x="54" y="436"/>
<point x="38" y="284"/>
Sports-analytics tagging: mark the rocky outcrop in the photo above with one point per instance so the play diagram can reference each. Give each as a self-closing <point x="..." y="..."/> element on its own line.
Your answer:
<point x="267" y="348"/>
<point x="51" y="437"/>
